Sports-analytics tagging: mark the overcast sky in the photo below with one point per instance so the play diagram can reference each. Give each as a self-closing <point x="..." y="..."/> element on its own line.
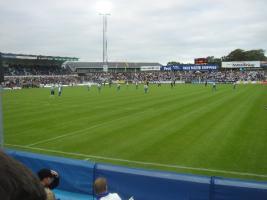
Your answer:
<point x="138" y="30"/>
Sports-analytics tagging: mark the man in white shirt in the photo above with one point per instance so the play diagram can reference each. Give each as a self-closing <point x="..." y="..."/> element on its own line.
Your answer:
<point x="234" y="85"/>
<point x="214" y="88"/>
<point x="101" y="190"/>
<point x="99" y="86"/>
<point x="52" y="90"/>
<point x="88" y="86"/>
<point x="136" y="84"/>
<point x="59" y="90"/>
<point x="118" y="87"/>
<point x="146" y="88"/>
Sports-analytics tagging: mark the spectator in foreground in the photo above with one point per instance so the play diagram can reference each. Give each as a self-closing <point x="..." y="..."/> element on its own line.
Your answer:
<point x="101" y="190"/>
<point x="50" y="180"/>
<point x="17" y="182"/>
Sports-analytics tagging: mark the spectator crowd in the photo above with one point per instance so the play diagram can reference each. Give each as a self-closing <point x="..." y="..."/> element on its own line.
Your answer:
<point x="19" y="76"/>
<point x="18" y="182"/>
<point x="20" y="70"/>
<point x="190" y="76"/>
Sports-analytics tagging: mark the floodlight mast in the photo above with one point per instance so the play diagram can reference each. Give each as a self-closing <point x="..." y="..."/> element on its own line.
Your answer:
<point x="105" y="40"/>
<point x="1" y="106"/>
<point x="1" y="121"/>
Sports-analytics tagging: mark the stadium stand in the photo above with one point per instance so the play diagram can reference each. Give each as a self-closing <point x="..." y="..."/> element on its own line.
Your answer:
<point x="87" y="67"/>
<point x="22" y="70"/>
<point x="218" y="76"/>
<point x="1" y="69"/>
<point x="189" y="77"/>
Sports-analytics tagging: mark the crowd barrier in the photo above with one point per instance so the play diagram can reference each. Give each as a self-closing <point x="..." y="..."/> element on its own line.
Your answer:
<point x="77" y="176"/>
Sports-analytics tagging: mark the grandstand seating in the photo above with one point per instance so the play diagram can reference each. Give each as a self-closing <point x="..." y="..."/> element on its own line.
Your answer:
<point x="36" y="78"/>
<point x="34" y="74"/>
<point x="113" y="66"/>
<point x="18" y="70"/>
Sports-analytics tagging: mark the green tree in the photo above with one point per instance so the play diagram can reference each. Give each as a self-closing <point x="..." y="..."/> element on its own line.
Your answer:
<point x="241" y="55"/>
<point x="255" y="55"/>
<point x="213" y="60"/>
<point x="236" y="55"/>
<point x="173" y="63"/>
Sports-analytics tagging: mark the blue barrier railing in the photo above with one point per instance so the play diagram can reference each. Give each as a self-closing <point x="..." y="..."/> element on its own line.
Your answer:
<point x="78" y="176"/>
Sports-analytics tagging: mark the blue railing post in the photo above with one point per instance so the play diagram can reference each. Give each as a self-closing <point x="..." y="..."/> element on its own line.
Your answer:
<point x="211" y="197"/>
<point x="94" y="177"/>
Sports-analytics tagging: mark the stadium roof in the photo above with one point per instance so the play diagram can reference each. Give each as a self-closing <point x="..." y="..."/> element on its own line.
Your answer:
<point x="36" y="57"/>
<point x="93" y="65"/>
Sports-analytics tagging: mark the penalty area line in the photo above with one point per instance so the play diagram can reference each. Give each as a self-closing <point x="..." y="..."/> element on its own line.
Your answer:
<point x="89" y="157"/>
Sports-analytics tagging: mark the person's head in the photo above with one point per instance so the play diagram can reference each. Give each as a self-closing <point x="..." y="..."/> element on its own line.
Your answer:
<point x="49" y="178"/>
<point x="17" y="182"/>
<point x="100" y="186"/>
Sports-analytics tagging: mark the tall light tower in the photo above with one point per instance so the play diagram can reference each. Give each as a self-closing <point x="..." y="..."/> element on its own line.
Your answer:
<point x="104" y="8"/>
<point x="1" y="107"/>
<point x="105" y="41"/>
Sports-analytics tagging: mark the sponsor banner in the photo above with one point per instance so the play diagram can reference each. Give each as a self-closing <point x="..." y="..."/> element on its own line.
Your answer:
<point x="150" y="68"/>
<point x="27" y="57"/>
<point x="166" y="68"/>
<point x="201" y="61"/>
<point x="46" y="58"/>
<point x="165" y="82"/>
<point x="263" y="63"/>
<point x="189" y="67"/>
<point x="12" y="56"/>
<point x="175" y="68"/>
<point x="14" y="88"/>
<point x="248" y="82"/>
<point x="105" y="68"/>
<point x="241" y="64"/>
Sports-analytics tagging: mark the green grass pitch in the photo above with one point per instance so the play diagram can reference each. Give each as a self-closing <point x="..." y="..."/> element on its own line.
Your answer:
<point x="187" y="129"/>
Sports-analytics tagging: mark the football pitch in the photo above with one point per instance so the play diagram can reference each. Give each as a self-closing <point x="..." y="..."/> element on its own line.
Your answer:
<point x="186" y="129"/>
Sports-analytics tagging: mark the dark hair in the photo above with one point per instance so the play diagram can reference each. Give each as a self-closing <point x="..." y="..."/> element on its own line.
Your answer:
<point x="100" y="185"/>
<point x="17" y="182"/>
<point x="44" y="173"/>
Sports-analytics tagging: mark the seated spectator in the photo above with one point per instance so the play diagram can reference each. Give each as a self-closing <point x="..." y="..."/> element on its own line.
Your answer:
<point x="17" y="182"/>
<point x="101" y="190"/>
<point x="50" y="180"/>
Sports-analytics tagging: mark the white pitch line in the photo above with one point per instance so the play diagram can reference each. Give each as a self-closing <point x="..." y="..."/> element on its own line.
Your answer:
<point x="61" y="124"/>
<point x="87" y="157"/>
<point x="62" y="136"/>
<point x="75" y="132"/>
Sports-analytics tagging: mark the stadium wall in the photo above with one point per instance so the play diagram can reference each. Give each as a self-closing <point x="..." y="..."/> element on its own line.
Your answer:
<point x="78" y="176"/>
